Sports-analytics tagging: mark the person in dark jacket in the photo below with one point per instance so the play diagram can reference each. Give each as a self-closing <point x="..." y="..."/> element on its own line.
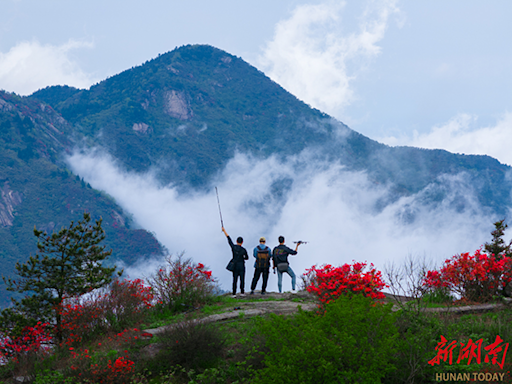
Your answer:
<point x="280" y="260"/>
<point x="262" y="254"/>
<point x="239" y="257"/>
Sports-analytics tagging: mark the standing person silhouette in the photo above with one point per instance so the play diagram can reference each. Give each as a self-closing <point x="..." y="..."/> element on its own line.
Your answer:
<point x="262" y="254"/>
<point x="280" y="260"/>
<point x="239" y="257"/>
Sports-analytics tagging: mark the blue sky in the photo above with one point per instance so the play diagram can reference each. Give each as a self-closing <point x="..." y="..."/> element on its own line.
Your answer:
<point x="432" y="74"/>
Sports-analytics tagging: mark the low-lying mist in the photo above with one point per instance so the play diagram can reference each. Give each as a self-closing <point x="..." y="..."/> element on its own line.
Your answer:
<point x="339" y="213"/>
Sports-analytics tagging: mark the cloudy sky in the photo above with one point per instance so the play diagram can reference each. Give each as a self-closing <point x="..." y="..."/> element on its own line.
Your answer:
<point x="423" y="73"/>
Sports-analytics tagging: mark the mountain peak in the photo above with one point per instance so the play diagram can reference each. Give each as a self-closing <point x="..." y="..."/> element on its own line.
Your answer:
<point x="193" y="107"/>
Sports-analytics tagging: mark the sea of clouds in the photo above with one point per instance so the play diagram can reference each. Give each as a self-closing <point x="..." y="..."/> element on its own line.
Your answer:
<point x="338" y="212"/>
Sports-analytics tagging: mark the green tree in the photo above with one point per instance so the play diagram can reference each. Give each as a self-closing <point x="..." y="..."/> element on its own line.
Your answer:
<point x="68" y="264"/>
<point x="498" y="247"/>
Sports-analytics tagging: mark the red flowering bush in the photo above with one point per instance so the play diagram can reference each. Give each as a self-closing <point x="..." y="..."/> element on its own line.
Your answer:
<point x="81" y="320"/>
<point x="121" y="306"/>
<point x="125" y="303"/>
<point x="182" y="284"/>
<point x="478" y="277"/>
<point x="329" y="282"/>
<point x="102" y="363"/>
<point x="33" y="340"/>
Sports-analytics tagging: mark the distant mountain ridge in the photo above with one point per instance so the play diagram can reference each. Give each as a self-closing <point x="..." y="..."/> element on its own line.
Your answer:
<point x="184" y="115"/>
<point x="188" y="110"/>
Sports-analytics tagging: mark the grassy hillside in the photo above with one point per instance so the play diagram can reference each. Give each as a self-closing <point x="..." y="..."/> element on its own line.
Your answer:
<point x="250" y="349"/>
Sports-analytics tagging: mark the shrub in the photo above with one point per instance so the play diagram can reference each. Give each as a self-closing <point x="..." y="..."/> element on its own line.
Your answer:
<point x="352" y="342"/>
<point x="107" y="361"/>
<point x="120" y="307"/>
<point x="418" y="335"/>
<point x="53" y="377"/>
<point x="192" y="345"/>
<point x="406" y="279"/>
<point x="32" y="340"/>
<point x="182" y="284"/>
<point x="20" y="352"/>
<point x="98" y="368"/>
<point x="477" y="277"/>
<point x="126" y="302"/>
<point x="438" y="295"/>
<point x="329" y="282"/>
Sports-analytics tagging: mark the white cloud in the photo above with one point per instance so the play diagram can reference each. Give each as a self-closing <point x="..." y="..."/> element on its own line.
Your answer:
<point x="310" y="54"/>
<point x="30" y="66"/>
<point x="333" y="209"/>
<point x="460" y="136"/>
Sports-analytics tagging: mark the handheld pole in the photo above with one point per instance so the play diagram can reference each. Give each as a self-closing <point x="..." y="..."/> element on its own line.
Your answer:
<point x="218" y="203"/>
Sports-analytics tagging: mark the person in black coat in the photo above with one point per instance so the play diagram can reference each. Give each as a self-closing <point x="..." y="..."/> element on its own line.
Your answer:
<point x="239" y="257"/>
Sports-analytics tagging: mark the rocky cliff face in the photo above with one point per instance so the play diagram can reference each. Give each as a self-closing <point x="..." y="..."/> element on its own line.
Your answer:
<point x="142" y="128"/>
<point x="9" y="199"/>
<point x="176" y="105"/>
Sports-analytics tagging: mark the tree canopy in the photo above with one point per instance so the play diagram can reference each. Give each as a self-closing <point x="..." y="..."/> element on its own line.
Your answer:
<point x="68" y="264"/>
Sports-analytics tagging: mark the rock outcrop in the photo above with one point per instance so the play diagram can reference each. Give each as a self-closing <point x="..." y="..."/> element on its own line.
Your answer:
<point x="5" y="106"/>
<point x="176" y="105"/>
<point x="141" y="128"/>
<point x="8" y="200"/>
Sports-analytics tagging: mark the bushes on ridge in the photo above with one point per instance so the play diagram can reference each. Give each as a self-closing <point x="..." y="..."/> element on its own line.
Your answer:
<point x="352" y="342"/>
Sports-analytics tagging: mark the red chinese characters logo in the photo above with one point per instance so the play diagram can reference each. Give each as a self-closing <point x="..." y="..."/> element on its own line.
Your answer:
<point x="471" y="351"/>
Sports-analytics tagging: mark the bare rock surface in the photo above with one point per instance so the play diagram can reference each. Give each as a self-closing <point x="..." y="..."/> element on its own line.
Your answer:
<point x="176" y="105"/>
<point x="288" y="304"/>
<point x="9" y="199"/>
<point x="141" y="128"/>
<point x="400" y="300"/>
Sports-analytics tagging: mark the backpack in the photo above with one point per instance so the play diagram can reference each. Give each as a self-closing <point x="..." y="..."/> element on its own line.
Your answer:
<point x="263" y="258"/>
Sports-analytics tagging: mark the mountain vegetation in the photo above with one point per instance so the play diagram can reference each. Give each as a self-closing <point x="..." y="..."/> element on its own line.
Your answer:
<point x="37" y="188"/>
<point x="186" y="112"/>
<point x="126" y="334"/>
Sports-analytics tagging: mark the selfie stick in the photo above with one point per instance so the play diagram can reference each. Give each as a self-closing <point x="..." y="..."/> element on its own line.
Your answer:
<point x="218" y="203"/>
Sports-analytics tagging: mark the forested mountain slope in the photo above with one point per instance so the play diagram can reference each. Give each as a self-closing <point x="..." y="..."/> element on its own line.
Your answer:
<point x="187" y="111"/>
<point x="38" y="190"/>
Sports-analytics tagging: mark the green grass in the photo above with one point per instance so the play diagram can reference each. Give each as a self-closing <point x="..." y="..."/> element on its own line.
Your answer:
<point x="161" y="316"/>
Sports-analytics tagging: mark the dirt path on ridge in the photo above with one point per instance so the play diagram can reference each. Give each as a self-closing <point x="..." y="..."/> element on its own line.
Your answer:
<point x="288" y="304"/>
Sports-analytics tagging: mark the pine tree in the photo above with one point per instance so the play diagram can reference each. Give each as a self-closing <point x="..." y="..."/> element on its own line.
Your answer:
<point x="68" y="264"/>
<point x="499" y="249"/>
<point x="497" y="246"/>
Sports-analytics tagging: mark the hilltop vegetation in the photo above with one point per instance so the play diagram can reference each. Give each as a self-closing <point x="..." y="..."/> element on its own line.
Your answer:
<point x="353" y="337"/>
